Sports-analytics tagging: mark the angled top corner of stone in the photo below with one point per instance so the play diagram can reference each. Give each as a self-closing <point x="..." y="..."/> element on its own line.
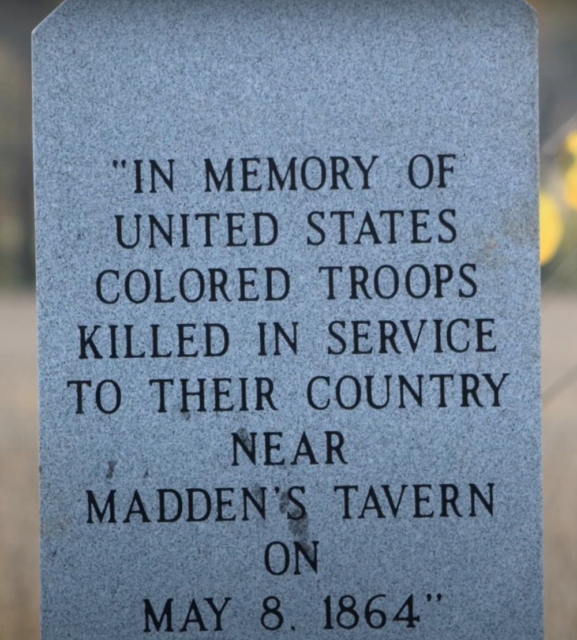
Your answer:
<point x="526" y="4"/>
<point x="61" y="11"/>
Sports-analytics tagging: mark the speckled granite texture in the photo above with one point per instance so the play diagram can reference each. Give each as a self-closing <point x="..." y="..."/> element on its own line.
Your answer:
<point x="362" y="173"/>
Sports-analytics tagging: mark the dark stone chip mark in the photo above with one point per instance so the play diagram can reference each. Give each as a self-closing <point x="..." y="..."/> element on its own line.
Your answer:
<point x="111" y="467"/>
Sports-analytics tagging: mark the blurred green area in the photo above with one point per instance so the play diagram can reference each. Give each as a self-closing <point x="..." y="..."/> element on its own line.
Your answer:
<point x="558" y="101"/>
<point x="558" y="36"/>
<point x="17" y="19"/>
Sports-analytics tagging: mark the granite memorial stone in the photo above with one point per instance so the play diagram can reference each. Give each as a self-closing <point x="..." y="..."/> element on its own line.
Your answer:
<point x="288" y="302"/>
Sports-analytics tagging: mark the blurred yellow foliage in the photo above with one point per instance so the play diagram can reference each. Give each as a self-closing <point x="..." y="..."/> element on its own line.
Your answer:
<point x="570" y="187"/>
<point x="552" y="227"/>
<point x="571" y="143"/>
<point x="570" y="178"/>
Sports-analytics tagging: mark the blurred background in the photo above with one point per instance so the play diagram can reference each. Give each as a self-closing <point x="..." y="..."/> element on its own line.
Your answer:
<point x="19" y="529"/>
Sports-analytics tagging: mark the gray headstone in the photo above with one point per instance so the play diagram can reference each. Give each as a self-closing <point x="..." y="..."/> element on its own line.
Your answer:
<point x="362" y="174"/>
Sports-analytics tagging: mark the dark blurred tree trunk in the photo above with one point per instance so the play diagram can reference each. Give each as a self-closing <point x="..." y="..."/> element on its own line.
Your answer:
<point x="25" y="200"/>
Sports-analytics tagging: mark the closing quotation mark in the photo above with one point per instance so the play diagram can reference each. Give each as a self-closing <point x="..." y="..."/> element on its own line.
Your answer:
<point x="430" y="597"/>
